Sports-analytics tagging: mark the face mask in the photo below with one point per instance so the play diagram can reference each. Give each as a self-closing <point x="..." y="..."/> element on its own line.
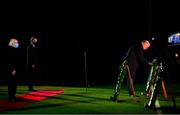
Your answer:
<point x="16" y="45"/>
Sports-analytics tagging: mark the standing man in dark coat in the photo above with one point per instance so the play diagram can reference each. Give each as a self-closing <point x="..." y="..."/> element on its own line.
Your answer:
<point x="31" y="62"/>
<point x="12" y="62"/>
<point x="135" y="58"/>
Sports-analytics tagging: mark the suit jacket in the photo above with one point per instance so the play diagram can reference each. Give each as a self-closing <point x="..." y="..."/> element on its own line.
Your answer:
<point x="31" y="56"/>
<point x="12" y="59"/>
<point x="135" y="56"/>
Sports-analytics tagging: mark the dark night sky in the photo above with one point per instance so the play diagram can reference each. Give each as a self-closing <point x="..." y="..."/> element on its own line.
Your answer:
<point x="104" y="29"/>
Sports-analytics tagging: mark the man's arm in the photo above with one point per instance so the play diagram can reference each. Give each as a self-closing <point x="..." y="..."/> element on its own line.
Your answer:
<point x="139" y="53"/>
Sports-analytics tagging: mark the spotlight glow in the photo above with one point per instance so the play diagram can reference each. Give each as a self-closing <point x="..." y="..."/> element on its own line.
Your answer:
<point x="176" y="55"/>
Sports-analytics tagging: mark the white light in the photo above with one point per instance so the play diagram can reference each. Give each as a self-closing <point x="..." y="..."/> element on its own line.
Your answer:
<point x="152" y="38"/>
<point x="176" y="55"/>
<point x="178" y="34"/>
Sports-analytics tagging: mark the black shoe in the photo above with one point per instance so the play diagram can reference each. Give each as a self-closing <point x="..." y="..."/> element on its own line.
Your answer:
<point x="32" y="90"/>
<point x="113" y="98"/>
<point x="12" y="99"/>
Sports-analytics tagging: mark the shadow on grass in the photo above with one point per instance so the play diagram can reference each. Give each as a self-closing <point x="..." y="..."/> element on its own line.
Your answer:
<point x="44" y="106"/>
<point x="3" y="94"/>
<point x="70" y="100"/>
<point x="90" y="97"/>
<point x="171" y="110"/>
<point x="93" y="99"/>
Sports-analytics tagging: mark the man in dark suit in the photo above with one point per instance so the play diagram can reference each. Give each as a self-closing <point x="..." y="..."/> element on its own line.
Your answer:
<point x="12" y="61"/>
<point x="31" y="62"/>
<point x="135" y="57"/>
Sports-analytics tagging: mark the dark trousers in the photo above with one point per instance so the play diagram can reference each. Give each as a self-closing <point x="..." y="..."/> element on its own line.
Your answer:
<point x="130" y="79"/>
<point x="31" y="78"/>
<point x="12" y="87"/>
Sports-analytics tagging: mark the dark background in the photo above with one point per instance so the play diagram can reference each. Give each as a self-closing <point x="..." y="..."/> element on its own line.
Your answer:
<point x="104" y="30"/>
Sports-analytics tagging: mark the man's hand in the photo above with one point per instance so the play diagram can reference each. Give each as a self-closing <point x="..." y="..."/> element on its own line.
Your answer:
<point x="33" y="66"/>
<point x="13" y="72"/>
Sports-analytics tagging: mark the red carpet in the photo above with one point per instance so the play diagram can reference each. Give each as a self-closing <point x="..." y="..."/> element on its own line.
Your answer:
<point x="41" y="94"/>
<point x="28" y="98"/>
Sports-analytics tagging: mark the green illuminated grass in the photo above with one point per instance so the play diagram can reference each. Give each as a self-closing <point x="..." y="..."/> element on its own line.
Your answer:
<point x="94" y="100"/>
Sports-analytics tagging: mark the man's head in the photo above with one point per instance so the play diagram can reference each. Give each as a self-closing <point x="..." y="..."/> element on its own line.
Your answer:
<point x="145" y="44"/>
<point x="14" y="43"/>
<point x="33" y="40"/>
